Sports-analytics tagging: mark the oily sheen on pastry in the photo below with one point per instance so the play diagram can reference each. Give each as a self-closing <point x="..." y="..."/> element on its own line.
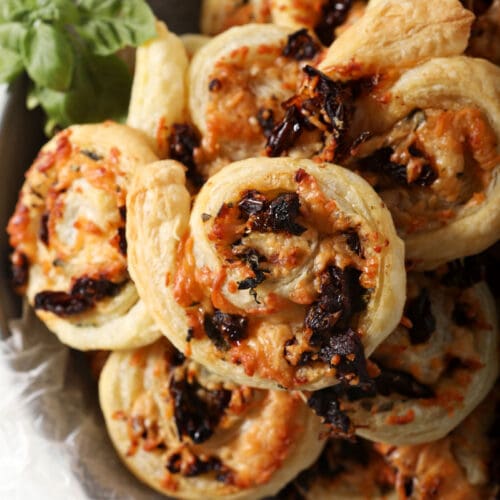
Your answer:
<point x="159" y="94"/>
<point x="68" y="237"/>
<point x="435" y="368"/>
<point x="188" y="434"/>
<point x="462" y="466"/>
<point x="237" y="82"/>
<point x="284" y="274"/>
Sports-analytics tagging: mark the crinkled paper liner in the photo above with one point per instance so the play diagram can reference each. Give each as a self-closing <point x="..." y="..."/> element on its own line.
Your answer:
<point x="53" y="439"/>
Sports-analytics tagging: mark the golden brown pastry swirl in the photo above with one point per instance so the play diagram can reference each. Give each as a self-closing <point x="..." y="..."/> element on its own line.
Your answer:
<point x="435" y="368"/>
<point x="68" y="236"/>
<point x="188" y="434"/>
<point x="275" y="256"/>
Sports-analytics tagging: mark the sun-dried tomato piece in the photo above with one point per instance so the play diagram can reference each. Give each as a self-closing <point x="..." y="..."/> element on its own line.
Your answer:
<point x="345" y="352"/>
<point x="275" y="216"/>
<point x="285" y="134"/>
<point x="195" y="466"/>
<point x="223" y="329"/>
<point x="300" y="46"/>
<point x="197" y="410"/>
<point x="62" y="303"/>
<point x="353" y="241"/>
<point x="393" y="381"/>
<point x="182" y="142"/>
<point x="325" y="403"/>
<point x="251" y="203"/>
<point x="333" y="14"/>
<point x="341" y="296"/>
<point x="419" y="312"/>
<point x="380" y="162"/>
<point x="83" y="296"/>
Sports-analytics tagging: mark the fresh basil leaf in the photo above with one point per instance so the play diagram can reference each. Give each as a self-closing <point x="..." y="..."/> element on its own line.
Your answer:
<point x="100" y="91"/>
<point x="12" y="36"/>
<point x="15" y="10"/>
<point x="11" y="39"/>
<point x="48" y="56"/>
<point x="112" y="24"/>
<point x="11" y="65"/>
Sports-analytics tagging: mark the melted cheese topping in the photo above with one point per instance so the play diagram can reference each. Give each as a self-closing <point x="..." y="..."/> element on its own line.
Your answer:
<point x="246" y="85"/>
<point x="256" y="435"/>
<point x="291" y="267"/>
<point x="459" y="147"/>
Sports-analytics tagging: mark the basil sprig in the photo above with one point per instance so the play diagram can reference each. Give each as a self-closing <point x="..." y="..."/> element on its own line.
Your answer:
<point x="68" y="49"/>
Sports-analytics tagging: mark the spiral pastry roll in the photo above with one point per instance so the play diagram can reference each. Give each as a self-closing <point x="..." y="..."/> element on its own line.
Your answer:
<point x="68" y="236"/>
<point x="435" y="368"/>
<point x="462" y="466"/>
<point x="159" y="95"/>
<point x="284" y="275"/>
<point x="188" y="434"/>
<point x="237" y="83"/>
<point x="434" y="157"/>
<point x="345" y="470"/>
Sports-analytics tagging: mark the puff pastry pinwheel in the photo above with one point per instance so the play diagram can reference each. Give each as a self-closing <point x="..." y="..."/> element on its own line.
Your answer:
<point x="345" y="470"/>
<point x="435" y="368"/>
<point x="429" y="143"/>
<point x="159" y="94"/>
<point x="394" y="35"/>
<point x="284" y="275"/>
<point x="68" y="236"/>
<point x="462" y="466"/>
<point x="434" y="157"/>
<point x="188" y="434"/>
<point x="237" y="83"/>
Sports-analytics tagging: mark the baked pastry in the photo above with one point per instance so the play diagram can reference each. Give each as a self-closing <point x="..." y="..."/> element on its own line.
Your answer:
<point x="462" y="466"/>
<point x="220" y="15"/>
<point x="285" y="273"/>
<point x="237" y="83"/>
<point x="68" y="237"/>
<point x="429" y="144"/>
<point x="327" y="18"/>
<point x="434" y="157"/>
<point x="188" y="434"/>
<point x="159" y="95"/>
<point x="435" y="368"/>
<point x="345" y="470"/>
<point x="193" y="42"/>
<point x="394" y="35"/>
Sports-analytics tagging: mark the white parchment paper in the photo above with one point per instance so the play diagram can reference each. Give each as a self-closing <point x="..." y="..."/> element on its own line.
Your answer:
<point x="53" y="441"/>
